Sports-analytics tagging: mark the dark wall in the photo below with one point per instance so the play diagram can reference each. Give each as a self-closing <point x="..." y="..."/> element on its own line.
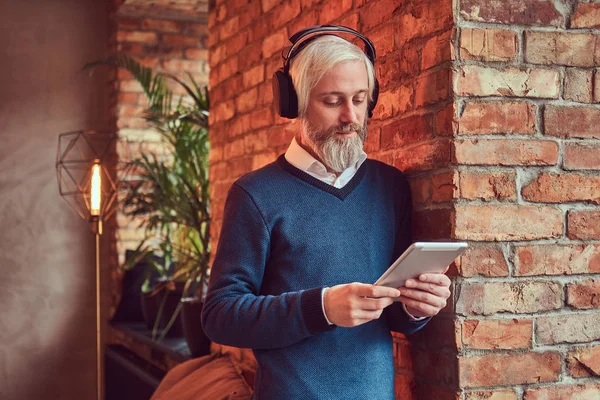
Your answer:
<point x="47" y="306"/>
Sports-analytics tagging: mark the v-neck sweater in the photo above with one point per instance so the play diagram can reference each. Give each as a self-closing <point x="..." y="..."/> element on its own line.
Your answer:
<point x="270" y="267"/>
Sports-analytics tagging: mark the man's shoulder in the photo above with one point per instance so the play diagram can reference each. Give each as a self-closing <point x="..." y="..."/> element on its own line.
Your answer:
<point x="259" y="177"/>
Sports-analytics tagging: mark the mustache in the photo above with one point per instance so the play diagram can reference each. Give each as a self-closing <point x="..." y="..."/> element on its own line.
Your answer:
<point x="351" y="127"/>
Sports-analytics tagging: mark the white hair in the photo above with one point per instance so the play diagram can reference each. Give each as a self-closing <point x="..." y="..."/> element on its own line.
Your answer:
<point x="319" y="57"/>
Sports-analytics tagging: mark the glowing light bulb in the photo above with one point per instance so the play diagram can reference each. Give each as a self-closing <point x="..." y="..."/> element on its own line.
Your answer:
<point x="95" y="191"/>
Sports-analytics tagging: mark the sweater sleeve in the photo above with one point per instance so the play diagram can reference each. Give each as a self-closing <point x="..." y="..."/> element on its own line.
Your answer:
<point x="234" y="313"/>
<point x="397" y="318"/>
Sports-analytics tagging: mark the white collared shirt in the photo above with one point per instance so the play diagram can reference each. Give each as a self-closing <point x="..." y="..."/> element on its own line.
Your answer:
<point x="303" y="160"/>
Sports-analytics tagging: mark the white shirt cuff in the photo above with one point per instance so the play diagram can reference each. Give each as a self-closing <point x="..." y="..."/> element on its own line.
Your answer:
<point x="412" y="317"/>
<point x="323" y="304"/>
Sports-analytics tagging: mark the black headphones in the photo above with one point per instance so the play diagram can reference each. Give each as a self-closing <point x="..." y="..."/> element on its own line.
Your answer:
<point x="284" y="94"/>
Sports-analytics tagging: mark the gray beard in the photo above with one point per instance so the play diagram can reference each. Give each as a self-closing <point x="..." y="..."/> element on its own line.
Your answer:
<point x="337" y="153"/>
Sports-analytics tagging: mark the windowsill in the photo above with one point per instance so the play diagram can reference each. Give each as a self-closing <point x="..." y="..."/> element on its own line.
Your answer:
<point x="173" y="347"/>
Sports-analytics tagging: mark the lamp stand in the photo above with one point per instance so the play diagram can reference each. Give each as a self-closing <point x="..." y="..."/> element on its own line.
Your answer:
<point x="97" y="226"/>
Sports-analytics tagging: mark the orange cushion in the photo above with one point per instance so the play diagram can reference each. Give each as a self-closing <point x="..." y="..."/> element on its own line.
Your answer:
<point x="212" y="377"/>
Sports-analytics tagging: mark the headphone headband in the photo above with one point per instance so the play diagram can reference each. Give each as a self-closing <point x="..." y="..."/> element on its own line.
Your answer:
<point x="284" y="94"/>
<point x="302" y="38"/>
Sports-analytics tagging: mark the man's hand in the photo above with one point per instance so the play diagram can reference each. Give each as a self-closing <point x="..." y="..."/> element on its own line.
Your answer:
<point x="354" y="304"/>
<point x="426" y="296"/>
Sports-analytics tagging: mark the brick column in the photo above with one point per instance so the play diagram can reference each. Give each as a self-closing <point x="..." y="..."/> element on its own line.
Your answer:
<point x="487" y="106"/>
<point x="527" y="194"/>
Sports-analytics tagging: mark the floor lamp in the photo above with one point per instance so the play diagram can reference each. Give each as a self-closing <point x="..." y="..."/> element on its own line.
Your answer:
<point x="88" y="173"/>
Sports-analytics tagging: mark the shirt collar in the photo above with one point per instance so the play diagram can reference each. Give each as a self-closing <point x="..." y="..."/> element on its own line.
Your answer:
<point x="303" y="160"/>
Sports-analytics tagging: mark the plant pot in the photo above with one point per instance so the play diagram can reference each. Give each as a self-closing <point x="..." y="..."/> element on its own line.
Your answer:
<point x="196" y="339"/>
<point x="170" y="307"/>
<point x="149" y="308"/>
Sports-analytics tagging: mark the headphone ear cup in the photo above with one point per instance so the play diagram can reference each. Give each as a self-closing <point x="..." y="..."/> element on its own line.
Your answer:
<point x="284" y="95"/>
<point x="373" y="102"/>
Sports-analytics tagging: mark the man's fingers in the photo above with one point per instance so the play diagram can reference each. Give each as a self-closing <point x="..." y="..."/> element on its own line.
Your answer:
<point x="366" y="290"/>
<point x="424" y="297"/>
<point x="374" y="304"/>
<point x="436" y="279"/>
<point x="426" y="309"/>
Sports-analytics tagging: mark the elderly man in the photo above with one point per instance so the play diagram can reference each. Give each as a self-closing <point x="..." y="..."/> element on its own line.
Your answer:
<point x="304" y="238"/>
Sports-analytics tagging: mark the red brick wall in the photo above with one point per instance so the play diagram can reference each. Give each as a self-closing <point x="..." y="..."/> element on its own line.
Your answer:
<point x="527" y="195"/>
<point x="488" y="107"/>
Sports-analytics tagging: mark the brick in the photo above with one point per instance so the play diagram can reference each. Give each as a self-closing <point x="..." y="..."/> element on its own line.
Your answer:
<point x="405" y="386"/>
<point x="434" y="224"/>
<point x="563" y="188"/>
<point x="586" y="15"/>
<point x="223" y="111"/>
<point x="581" y="157"/>
<point x="261" y="118"/>
<point x="285" y="12"/>
<point x="350" y="20"/>
<point x="509" y="369"/>
<point x="234" y="149"/>
<point x="235" y="44"/>
<point x="177" y="66"/>
<point x="239" y="167"/>
<point x="406" y="131"/>
<point x="137" y="36"/>
<point x="423" y="156"/>
<point x="196" y="54"/>
<point x="262" y="159"/>
<point x="584" y="294"/>
<point x="506" y="152"/>
<point x="420" y="189"/>
<point x="572" y="122"/>
<point x="127" y="98"/>
<point x="584" y="362"/>
<point x="557" y="259"/>
<point x="377" y="12"/>
<point x="423" y="19"/>
<point x="500" y="394"/>
<point x="180" y="40"/>
<point x="512" y="297"/>
<point x="483" y="260"/>
<point x="433" y="87"/>
<point x="438" y="50"/>
<point x="381" y="39"/>
<point x="256" y="142"/>
<point x="486" y="117"/>
<point x="128" y="23"/>
<point x="161" y="25"/>
<point x="488" y="185"/>
<point x="474" y="80"/>
<point x="269" y="4"/>
<point x="497" y="334"/>
<point x="229" y="28"/>
<point x="573" y="49"/>
<point x="520" y="12"/>
<point x="333" y="10"/>
<point x="507" y="222"/>
<point x="564" y="392"/>
<point x="246" y="101"/>
<point x="596" y="85"/>
<point x="578" y="85"/>
<point x="199" y="30"/>
<point x="444" y="186"/>
<point x="583" y="225"/>
<point x="446" y="375"/>
<point x="228" y="68"/>
<point x="250" y="15"/>
<point x="274" y="43"/>
<point x="488" y="44"/>
<point x="254" y="76"/>
<point x="573" y="328"/>
<point x="395" y="102"/>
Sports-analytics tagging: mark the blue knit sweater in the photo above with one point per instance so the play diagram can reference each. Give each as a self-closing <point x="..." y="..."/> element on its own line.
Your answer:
<point x="285" y="236"/>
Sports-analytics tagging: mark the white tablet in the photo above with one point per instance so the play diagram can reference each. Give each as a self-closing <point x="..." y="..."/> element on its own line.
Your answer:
<point x="421" y="258"/>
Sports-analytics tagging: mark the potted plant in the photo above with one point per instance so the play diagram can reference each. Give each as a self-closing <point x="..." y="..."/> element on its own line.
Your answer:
<point x="172" y="192"/>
